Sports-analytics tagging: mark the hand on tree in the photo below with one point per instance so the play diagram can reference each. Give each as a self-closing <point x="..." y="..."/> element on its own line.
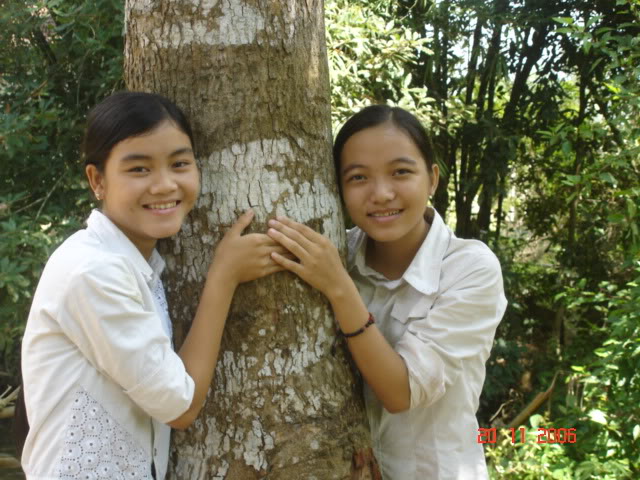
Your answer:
<point x="242" y="258"/>
<point x="319" y="262"/>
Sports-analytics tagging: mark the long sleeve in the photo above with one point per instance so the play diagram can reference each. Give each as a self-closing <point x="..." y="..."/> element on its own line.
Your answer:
<point x="104" y="315"/>
<point x="455" y="324"/>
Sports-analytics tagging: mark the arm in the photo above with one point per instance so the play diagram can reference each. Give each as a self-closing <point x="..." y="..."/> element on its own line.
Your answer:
<point x="237" y="259"/>
<point x="199" y="352"/>
<point x="104" y="316"/>
<point x="460" y="323"/>
<point x="454" y="326"/>
<point x="320" y="266"/>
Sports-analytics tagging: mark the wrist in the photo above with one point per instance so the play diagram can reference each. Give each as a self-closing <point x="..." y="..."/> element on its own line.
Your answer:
<point x="370" y="321"/>
<point x="342" y="290"/>
<point x="219" y="276"/>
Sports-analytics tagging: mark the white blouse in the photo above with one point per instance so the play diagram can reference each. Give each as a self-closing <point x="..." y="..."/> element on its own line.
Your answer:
<point x="101" y="379"/>
<point x="441" y="317"/>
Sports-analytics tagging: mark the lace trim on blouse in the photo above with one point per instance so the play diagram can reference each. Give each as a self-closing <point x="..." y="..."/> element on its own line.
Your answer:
<point x="97" y="447"/>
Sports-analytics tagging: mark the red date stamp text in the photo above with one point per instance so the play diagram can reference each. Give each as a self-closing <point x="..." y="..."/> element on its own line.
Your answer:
<point x="518" y="435"/>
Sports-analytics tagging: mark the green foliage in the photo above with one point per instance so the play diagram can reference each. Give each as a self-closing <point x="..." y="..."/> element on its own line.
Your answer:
<point x="580" y="172"/>
<point x="21" y="253"/>
<point x="371" y="53"/>
<point x="532" y="459"/>
<point x="610" y="393"/>
<point x="603" y="405"/>
<point x="59" y="58"/>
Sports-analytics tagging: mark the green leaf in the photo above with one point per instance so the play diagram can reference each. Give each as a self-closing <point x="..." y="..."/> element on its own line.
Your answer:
<point x="598" y="416"/>
<point x="535" y="420"/>
<point x="564" y="20"/>
<point x="608" y="178"/>
<point x="572" y="179"/>
<point x="632" y="209"/>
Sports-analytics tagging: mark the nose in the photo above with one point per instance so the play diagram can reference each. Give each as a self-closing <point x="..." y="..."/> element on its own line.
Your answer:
<point x="164" y="182"/>
<point x="382" y="192"/>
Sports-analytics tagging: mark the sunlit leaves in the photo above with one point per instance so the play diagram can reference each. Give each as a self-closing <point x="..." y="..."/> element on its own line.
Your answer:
<point x="370" y="57"/>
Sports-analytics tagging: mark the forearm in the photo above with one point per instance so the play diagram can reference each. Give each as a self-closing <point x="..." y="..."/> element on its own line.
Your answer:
<point x="383" y="368"/>
<point x="199" y="352"/>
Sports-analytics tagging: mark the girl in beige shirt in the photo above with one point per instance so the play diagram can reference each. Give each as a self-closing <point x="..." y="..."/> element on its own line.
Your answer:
<point x="418" y="306"/>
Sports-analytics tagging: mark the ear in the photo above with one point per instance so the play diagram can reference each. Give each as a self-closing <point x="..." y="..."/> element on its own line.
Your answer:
<point x="96" y="180"/>
<point x="434" y="176"/>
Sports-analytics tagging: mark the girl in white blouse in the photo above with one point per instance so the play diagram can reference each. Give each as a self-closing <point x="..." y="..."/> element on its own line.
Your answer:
<point x="418" y="306"/>
<point x="102" y="383"/>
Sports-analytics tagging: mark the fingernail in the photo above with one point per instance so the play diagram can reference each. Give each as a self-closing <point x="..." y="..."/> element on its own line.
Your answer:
<point x="272" y="222"/>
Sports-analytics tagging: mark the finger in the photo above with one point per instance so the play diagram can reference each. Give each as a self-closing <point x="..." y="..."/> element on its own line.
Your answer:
<point x="263" y="240"/>
<point x="272" y="268"/>
<point x="263" y="271"/>
<point x="290" y="265"/>
<point x="301" y="228"/>
<point x="278" y="249"/>
<point x="243" y="222"/>
<point x="292" y="233"/>
<point x="286" y="254"/>
<point x="290" y="244"/>
<point x="281" y="251"/>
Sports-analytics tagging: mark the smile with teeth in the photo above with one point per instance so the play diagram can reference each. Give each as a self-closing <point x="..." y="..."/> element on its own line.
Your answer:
<point x="385" y="214"/>
<point x="161" y="206"/>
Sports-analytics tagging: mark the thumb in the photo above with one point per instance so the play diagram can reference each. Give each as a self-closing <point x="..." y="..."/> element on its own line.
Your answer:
<point x="243" y="222"/>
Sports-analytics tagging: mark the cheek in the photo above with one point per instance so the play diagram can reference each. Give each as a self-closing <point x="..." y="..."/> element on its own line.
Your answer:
<point x="424" y="186"/>
<point x="192" y="185"/>
<point x="352" y="201"/>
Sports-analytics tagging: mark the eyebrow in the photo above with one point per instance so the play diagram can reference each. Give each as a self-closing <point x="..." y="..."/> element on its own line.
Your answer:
<point x="406" y="160"/>
<point x="141" y="156"/>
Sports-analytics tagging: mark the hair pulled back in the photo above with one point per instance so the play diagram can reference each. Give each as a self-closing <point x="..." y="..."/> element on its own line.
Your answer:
<point x="375" y="115"/>
<point x="124" y="115"/>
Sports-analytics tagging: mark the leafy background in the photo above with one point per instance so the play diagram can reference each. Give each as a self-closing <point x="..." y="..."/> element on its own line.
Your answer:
<point x="534" y="107"/>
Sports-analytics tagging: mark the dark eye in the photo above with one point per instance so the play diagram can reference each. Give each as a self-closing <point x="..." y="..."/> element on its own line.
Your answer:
<point x="402" y="171"/>
<point x="355" y="178"/>
<point x="138" y="169"/>
<point x="181" y="163"/>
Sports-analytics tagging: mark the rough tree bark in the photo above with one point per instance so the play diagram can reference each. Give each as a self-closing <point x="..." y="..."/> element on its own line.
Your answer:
<point x="253" y="77"/>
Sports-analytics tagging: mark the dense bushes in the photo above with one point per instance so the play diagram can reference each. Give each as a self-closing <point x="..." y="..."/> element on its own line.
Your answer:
<point x="58" y="58"/>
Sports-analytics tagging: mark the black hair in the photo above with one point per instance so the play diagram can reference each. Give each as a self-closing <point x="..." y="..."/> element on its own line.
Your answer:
<point x="375" y="115"/>
<point x="124" y="115"/>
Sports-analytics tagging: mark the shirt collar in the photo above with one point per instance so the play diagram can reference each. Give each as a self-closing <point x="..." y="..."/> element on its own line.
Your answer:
<point x="100" y="225"/>
<point x="356" y="252"/>
<point x="423" y="272"/>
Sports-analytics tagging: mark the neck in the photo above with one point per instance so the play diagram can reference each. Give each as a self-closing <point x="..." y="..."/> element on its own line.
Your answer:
<point x="393" y="258"/>
<point x="146" y="252"/>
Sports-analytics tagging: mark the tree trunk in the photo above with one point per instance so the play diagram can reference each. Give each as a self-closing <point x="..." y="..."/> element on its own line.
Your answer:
<point x="253" y="78"/>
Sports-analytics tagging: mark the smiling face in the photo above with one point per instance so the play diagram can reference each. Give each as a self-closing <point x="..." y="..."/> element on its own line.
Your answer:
<point x="386" y="185"/>
<point x="149" y="184"/>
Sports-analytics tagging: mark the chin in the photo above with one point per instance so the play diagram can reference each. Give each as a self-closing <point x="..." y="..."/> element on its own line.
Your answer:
<point x="168" y="234"/>
<point x="164" y="233"/>
<point x="383" y="237"/>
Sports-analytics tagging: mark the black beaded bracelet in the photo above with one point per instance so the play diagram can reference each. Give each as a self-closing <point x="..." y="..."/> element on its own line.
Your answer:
<point x="370" y="322"/>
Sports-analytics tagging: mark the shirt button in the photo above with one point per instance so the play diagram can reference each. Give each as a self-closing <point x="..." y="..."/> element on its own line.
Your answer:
<point x="155" y="452"/>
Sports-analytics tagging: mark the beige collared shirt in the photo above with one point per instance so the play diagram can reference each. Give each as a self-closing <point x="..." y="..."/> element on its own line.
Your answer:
<point x="101" y="378"/>
<point x="441" y="317"/>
